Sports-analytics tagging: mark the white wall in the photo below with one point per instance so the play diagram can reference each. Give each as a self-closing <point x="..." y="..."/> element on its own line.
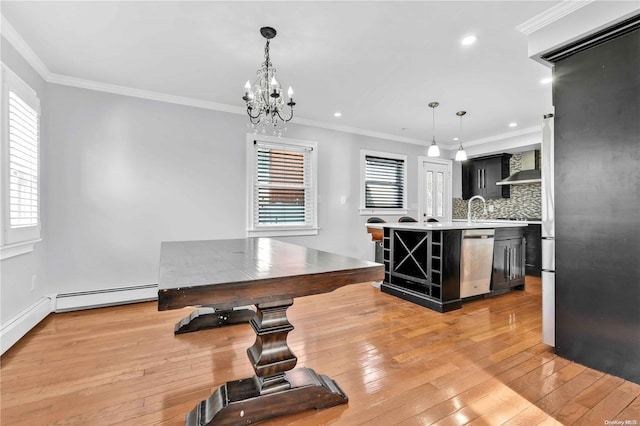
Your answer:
<point x="18" y="274"/>
<point x="125" y="174"/>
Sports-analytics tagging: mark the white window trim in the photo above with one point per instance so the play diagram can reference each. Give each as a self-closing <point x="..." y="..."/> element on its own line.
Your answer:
<point x="280" y="230"/>
<point x="15" y="242"/>
<point x="364" y="211"/>
<point x="11" y="250"/>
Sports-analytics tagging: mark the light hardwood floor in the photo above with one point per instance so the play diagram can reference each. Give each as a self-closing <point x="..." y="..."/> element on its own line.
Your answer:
<point x="398" y="363"/>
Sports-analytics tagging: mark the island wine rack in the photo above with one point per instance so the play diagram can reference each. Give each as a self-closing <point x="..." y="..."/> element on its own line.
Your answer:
<point x="423" y="266"/>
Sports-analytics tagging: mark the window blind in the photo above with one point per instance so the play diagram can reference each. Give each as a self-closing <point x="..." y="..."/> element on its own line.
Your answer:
<point x="384" y="183"/>
<point x="282" y="186"/>
<point x="23" y="163"/>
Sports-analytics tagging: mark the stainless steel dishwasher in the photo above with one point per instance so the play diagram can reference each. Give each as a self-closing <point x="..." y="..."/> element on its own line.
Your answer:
<point x="476" y="261"/>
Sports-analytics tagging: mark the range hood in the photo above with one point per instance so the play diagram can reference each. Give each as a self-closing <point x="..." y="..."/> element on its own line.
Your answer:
<point x="530" y="172"/>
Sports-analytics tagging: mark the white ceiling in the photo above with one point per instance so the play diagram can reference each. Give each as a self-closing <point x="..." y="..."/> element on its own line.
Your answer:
<point x="379" y="63"/>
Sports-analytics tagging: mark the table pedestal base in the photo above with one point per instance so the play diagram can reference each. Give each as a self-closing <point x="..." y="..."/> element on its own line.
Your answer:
<point x="239" y="402"/>
<point x="207" y="317"/>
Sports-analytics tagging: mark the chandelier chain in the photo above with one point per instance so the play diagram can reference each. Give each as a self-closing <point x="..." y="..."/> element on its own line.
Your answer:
<point x="267" y="61"/>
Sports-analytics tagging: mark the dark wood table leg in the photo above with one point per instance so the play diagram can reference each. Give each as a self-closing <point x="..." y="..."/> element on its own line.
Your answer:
<point x="277" y="388"/>
<point x="208" y="317"/>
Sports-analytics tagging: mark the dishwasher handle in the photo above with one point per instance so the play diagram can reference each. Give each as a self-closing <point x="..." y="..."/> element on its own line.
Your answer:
<point x="476" y="237"/>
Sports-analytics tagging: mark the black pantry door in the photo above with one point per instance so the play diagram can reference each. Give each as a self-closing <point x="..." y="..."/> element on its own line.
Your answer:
<point x="596" y="96"/>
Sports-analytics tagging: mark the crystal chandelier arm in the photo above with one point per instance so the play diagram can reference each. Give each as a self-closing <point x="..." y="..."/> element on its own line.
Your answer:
<point x="254" y="119"/>
<point x="290" y="115"/>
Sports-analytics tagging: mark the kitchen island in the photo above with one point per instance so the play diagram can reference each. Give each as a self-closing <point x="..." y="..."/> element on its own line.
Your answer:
<point x="439" y="265"/>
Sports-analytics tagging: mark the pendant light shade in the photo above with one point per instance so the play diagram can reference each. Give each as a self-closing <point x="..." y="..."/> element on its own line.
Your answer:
<point x="461" y="155"/>
<point x="433" y="151"/>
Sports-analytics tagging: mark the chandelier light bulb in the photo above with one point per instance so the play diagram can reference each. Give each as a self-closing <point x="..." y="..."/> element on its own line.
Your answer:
<point x="290" y="92"/>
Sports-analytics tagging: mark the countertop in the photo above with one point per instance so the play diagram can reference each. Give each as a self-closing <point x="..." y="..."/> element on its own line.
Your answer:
<point x="440" y="226"/>
<point x="527" y="221"/>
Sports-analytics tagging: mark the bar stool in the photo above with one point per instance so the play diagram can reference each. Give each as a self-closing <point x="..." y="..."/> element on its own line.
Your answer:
<point x="404" y="219"/>
<point x="375" y="220"/>
<point x="377" y="237"/>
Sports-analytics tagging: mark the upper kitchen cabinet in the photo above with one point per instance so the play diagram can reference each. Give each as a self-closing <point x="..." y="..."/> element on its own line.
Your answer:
<point x="480" y="175"/>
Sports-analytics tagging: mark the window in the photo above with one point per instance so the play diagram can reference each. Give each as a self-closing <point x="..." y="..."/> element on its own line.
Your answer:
<point x="383" y="183"/>
<point x="20" y="165"/>
<point x="282" y="186"/>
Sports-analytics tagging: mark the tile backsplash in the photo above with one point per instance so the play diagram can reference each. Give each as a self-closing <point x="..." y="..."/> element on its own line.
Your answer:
<point x="525" y="201"/>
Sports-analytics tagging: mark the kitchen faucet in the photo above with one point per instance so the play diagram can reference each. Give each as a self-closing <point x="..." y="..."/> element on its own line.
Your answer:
<point x="484" y="202"/>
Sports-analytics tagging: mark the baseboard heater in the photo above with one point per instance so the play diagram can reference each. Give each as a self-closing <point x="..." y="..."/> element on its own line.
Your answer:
<point x="66" y="302"/>
<point x="15" y="328"/>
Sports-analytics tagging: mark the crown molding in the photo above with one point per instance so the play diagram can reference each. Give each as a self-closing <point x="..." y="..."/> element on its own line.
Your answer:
<point x="502" y="136"/>
<point x="30" y="56"/>
<point x="492" y="139"/>
<point x="359" y="131"/>
<point x="143" y="94"/>
<point x="215" y="106"/>
<point x="23" y="48"/>
<point x="551" y="15"/>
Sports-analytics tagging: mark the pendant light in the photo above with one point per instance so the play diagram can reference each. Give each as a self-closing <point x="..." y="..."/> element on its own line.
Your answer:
<point x="461" y="155"/>
<point x="434" y="151"/>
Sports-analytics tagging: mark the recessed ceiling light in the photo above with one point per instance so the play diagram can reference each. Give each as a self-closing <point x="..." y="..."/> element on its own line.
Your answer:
<point x="337" y="114"/>
<point x="513" y="124"/>
<point x="468" y="40"/>
<point x="455" y="139"/>
<point x="546" y="80"/>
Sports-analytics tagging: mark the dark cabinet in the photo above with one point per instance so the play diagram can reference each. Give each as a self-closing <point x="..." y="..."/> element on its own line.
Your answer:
<point x="508" y="259"/>
<point x="533" y="258"/>
<point x="480" y="175"/>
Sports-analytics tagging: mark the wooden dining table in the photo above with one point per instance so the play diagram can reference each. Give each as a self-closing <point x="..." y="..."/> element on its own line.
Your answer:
<point x="269" y="274"/>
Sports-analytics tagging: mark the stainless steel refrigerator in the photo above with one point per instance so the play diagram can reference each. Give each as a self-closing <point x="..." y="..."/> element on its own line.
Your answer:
<point x="548" y="235"/>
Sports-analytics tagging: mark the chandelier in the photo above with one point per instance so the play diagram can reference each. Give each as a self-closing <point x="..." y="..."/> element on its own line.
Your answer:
<point x="265" y="101"/>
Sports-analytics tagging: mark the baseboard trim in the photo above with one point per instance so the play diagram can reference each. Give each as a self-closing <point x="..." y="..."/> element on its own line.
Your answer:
<point x="66" y="302"/>
<point x="18" y="326"/>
